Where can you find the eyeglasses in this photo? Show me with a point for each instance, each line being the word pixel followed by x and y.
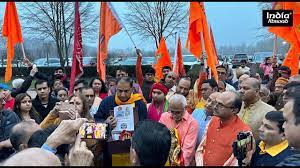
pixel 217 104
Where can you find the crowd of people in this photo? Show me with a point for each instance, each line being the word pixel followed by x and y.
pixel 177 123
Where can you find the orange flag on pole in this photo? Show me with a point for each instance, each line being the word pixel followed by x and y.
pixel 12 31
pixel 110 24
pixel 212 58
pixel 193 43
pixel 179 67
pixel 163 59
pixel 292 60
pixel 290 34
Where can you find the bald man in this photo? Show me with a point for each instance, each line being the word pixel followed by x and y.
pixel 264 93
pixel 178 118
pixel 242 78
pixel 25 158
pixel 216 147
pixel 21 133
pixel 253 109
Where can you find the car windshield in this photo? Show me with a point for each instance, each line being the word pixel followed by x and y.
pixel 39 61
pixel 189 59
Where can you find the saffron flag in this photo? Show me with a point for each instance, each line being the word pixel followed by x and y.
pixel 178 65
pixel 292 60
pixel 12 31
pixel 193 43
pixel 163 59
pixel 212 58
pixel 290 34
pixel 109 25
pixel 77 67
pixel 198 25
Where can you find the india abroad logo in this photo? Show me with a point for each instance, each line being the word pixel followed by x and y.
pixel 277 18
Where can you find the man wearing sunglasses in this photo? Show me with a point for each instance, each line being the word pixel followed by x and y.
pixel 215 148
pixel 222 74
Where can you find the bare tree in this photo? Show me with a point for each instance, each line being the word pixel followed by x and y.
pixel 54 21
pixel 264 6
pixel 156 19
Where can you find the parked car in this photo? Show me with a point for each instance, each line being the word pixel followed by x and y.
pixel 52 62
pixel 259 57
pixel 89 61
pixel 237 58
pixel 190 60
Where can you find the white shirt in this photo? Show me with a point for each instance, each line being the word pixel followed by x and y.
pixel 245 69
pixel 229 87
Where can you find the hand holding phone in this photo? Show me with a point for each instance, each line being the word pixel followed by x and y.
pixel 67 111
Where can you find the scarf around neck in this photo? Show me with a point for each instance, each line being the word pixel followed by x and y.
pixel 133 98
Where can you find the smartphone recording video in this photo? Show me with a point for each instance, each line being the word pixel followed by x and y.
pixel 65 111
pixel 94 131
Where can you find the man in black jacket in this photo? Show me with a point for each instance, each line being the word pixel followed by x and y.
pixel 25 84
pixel 291 114
pixel 43 102
pixel 123 96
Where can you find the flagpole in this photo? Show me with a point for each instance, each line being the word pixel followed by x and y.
pixel 23 51
pixel 204 55
pixel 275 46
pixel 175 53
pixel 114 11
pixel 129 37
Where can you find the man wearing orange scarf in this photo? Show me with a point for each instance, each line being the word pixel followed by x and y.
pixel 123 96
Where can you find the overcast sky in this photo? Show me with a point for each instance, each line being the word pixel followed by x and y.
pixel 233 23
